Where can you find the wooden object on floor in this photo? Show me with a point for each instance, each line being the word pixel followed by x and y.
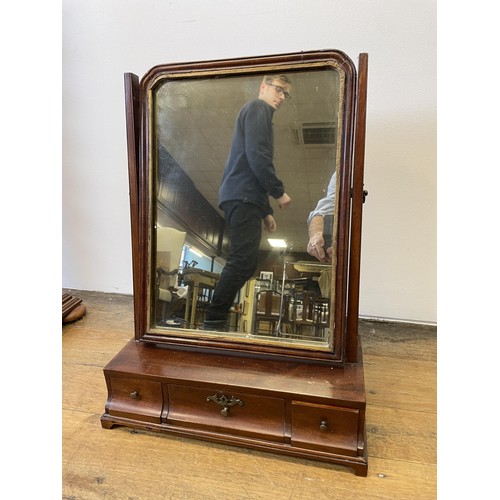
pixel 400 376
pixel 72 308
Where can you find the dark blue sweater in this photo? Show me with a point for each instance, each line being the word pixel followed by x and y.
pixel 249 174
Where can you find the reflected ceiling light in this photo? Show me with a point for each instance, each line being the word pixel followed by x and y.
pixel 277 243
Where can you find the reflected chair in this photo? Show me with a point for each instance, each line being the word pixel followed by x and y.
pixel 267 312
pixel 169 243
pixel 311 316
pixel 320 310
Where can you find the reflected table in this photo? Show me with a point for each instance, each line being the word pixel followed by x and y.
pixel 197 280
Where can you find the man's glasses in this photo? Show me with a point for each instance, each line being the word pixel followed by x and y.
pixel 280 90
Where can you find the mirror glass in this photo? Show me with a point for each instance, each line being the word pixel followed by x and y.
pixel 192 118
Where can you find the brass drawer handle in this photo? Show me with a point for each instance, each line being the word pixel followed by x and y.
pixel 323 426
pixel 225 402
pixel 134 395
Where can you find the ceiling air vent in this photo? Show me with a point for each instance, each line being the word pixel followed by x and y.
pixel 315 134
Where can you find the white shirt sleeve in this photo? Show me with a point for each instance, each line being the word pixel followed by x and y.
pixel 326 206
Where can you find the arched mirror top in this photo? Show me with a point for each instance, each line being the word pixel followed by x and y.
pixel 293 305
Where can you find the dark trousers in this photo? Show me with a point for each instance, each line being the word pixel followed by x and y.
pixel 244 222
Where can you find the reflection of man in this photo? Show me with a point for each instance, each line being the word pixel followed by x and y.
pixel 320 244
pixel 248 180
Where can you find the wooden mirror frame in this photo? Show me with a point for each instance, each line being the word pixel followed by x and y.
pixel 348 234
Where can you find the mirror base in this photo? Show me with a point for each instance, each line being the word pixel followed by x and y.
pixel 307 411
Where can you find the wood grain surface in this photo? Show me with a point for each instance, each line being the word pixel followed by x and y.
pixel 121 463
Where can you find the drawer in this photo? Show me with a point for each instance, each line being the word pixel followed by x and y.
pixel 135 397
pixel 325 428
pixel 226 412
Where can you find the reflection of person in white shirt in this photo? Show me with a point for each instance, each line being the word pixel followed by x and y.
pixel 316 225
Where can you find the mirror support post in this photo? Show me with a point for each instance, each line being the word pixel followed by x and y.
pixel 357 212
pixel 133 135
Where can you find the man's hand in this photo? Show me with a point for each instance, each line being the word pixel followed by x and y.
pixel 316 244
pixel 315 247
pixel 284 200
pixel 269 223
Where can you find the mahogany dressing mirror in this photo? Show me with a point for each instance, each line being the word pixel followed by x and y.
pixel 286 373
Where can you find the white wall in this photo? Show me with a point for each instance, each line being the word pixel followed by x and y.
pixel 103 39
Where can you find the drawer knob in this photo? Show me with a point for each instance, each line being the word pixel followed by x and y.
pixel 323 426
pixel 134 395
pixel 225 402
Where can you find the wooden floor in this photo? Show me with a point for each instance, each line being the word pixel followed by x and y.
pixel 121 463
